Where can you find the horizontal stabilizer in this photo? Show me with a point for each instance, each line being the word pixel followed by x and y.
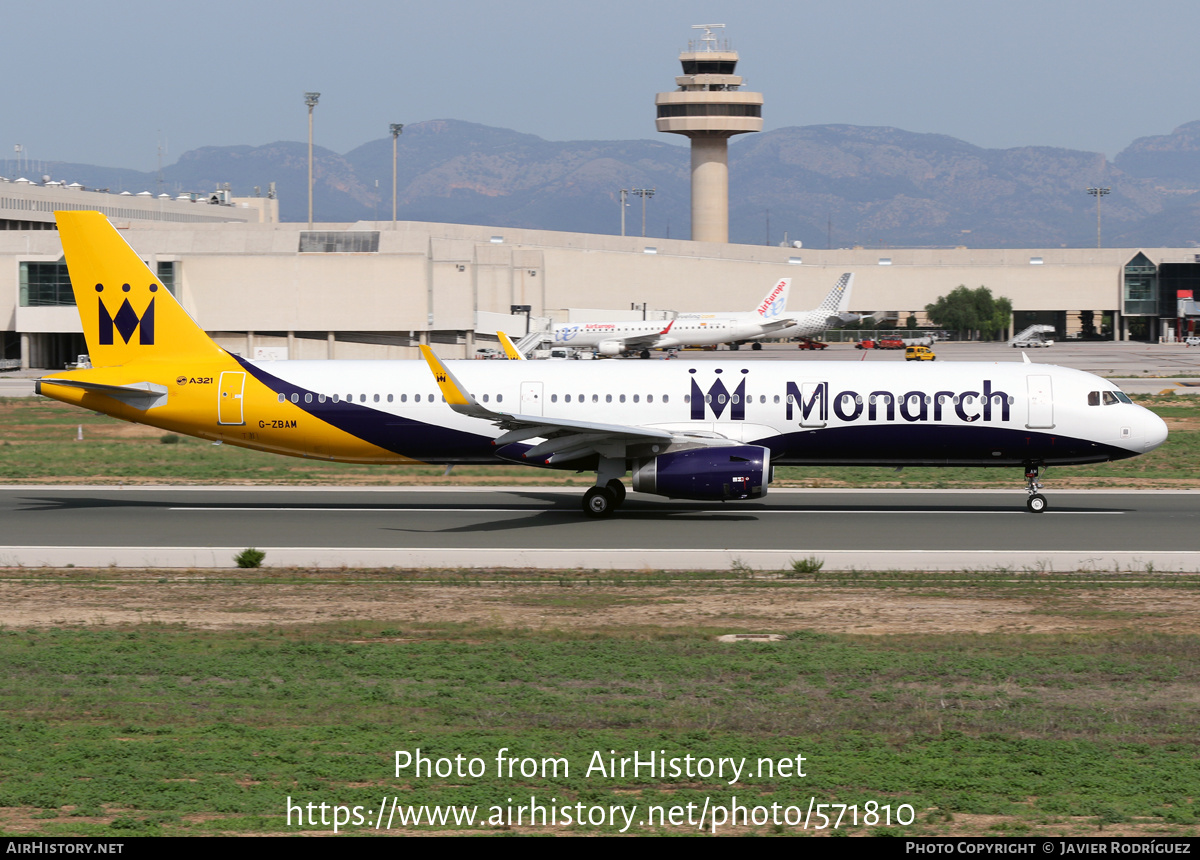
pixel 139 395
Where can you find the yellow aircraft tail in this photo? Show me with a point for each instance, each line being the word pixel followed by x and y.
pixel 126 311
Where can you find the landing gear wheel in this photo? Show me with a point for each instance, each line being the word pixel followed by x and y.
pixel 735 346
pixel 1036 503
pixel 599 502
pixel 645 353
pixel 756 345
pixel 617 489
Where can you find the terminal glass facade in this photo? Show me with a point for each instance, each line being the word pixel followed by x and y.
pixel 1141 287
pixel 45 285
pixel 340 242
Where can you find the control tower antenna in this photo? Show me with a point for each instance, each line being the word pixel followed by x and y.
pixel 709 107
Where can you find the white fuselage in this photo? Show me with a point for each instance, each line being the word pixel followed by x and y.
pixel 945 413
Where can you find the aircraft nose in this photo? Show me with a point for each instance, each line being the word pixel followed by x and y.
pixel 1156 431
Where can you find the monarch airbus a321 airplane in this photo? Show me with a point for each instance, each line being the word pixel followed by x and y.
pixel 707 430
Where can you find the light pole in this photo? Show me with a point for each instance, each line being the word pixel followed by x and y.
pixel 396 129
pixel 643 193
pixel 1098 193
pixel 624 195
pixel 310 99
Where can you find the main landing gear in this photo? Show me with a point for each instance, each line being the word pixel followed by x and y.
pixel 1036 501
pixel 608 494
pixel 602 501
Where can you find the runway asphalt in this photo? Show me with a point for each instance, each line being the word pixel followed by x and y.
pixel 544 528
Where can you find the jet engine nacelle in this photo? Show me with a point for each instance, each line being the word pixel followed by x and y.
pixel 708 474
pixel 610 347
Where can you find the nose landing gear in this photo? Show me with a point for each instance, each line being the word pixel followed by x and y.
pixel 1036 501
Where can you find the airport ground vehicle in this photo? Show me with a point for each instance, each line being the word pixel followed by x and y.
pixel 919 353
pixel 809 343
pixel 704 430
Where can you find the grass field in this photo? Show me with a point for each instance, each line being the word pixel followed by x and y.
pixel 38 444
pixel 157 729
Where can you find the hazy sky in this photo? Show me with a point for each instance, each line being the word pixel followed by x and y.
pixel 102 83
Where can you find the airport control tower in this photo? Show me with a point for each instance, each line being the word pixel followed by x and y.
pixel 709 107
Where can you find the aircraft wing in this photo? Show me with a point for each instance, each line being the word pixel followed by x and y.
pixel 645 341
pixel 564 439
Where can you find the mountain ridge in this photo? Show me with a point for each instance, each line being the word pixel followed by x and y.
pixel 831 184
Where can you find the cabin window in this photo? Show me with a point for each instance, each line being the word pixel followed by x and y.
pixel 389 398
pixel 376 398
pixel 708 398
pixel 499 398
pixel 635 398
pixel 608 398
pixel 485 398
pixel 566 398
pixel 554 398
pixel 403 398
pixel 687 398
pixel 776 398
pixel 667 398
pixel 336 398
pixel 416 398
pixel 595 398
pixel 320 398
pixel 622 398
pixel 308 398
pixel 295 398
pixel 283 397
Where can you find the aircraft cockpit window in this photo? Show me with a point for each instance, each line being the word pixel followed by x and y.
pixel 1093 398
pixel 1110 397
pixel 1123 397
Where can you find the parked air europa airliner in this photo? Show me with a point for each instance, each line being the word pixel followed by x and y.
pixel 707 430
